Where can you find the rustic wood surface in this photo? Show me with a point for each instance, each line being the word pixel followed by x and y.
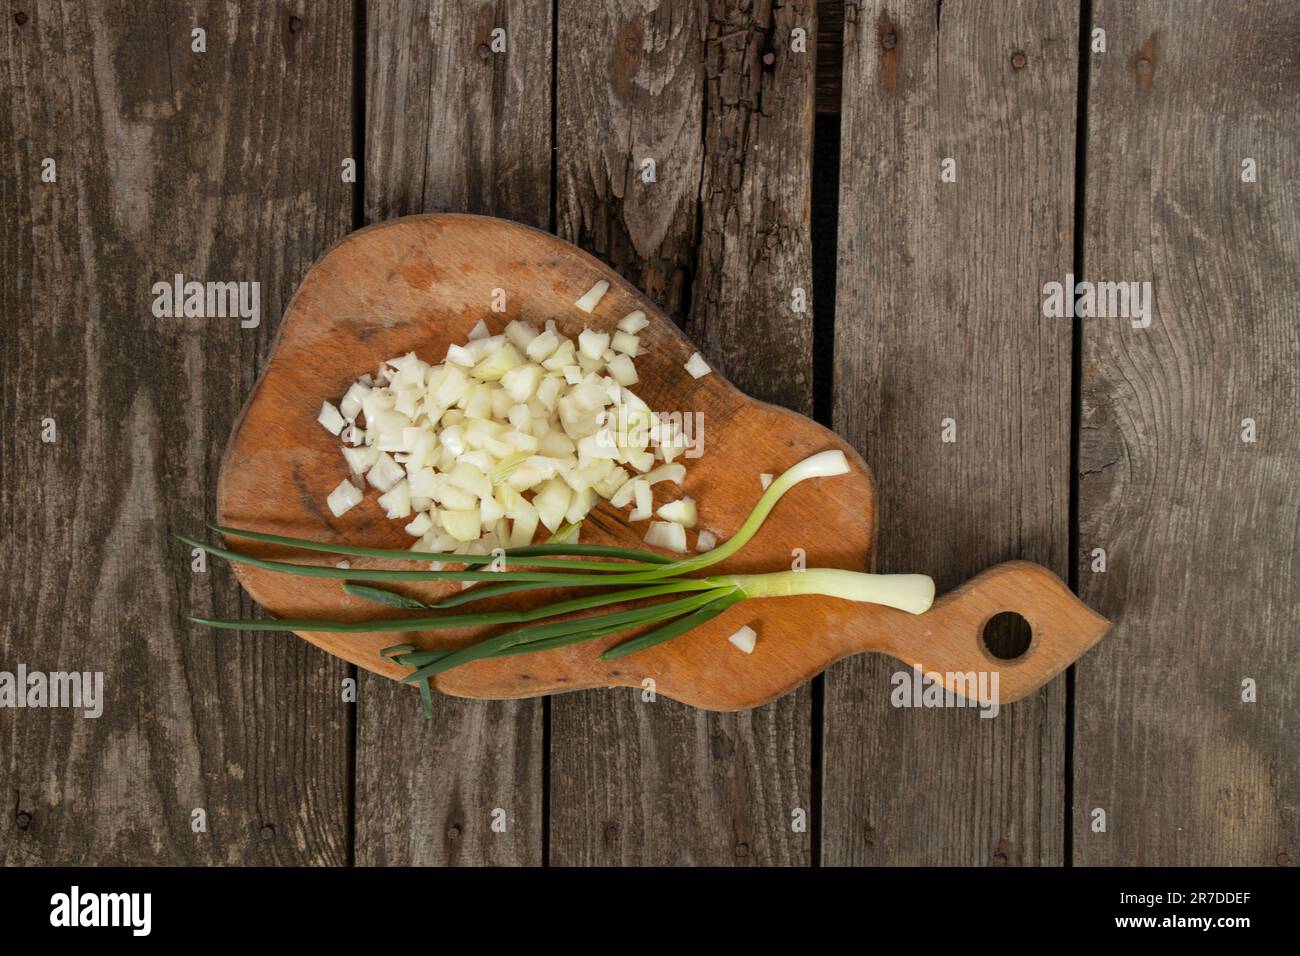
pixel 1199 527
pixel 225 165
pixel 963 261
pixel 167 161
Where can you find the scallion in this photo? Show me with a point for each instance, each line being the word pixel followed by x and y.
pixel 639 577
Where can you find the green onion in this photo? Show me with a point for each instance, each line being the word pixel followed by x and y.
pixel 386 597
pixel 680 626
pixel 543 556
pixel 638 575
pixel 367 574
pixel 585 626
pixel 478 619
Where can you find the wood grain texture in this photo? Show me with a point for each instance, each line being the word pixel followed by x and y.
pixel 629 88
pixel 938 315
pixel 168 161
pixel 452 127
pixel 1199 527
pixel 755 254
pixel 635 80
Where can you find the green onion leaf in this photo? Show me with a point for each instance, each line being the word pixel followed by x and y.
pixel 673 628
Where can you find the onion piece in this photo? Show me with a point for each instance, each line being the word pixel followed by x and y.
pixel 626 343
pixel 682 511
pixel 420 525
pixel 622 370
pixel 706 541
pixel 343 498
pixel 745 639
pixel 592 344
pixel 697 366
pixel 551 502
pixel 644 500
pixel 591 298
pixel 461 525
pixel 330 418
pixel 674 472
pixel 385 473
pixel 360 459
pixel 765 479
pixel 396 501
pixel 666 535
pixel 350 406
pixel 633 322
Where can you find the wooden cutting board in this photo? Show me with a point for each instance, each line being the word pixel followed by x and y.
pixel 421 283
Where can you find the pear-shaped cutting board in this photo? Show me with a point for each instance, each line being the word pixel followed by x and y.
pixel 421 283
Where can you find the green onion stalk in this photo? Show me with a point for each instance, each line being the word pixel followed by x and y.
pixel 664 598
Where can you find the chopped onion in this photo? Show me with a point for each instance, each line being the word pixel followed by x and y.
pixel 510 433
pixel 360 460
pixel 697 366
pixel 551 502
pixel 385 473
pixel 343 498
pixel 623 495
pixel 745 639
pixel 644 500
pixel 626 343
pixel 592 344
pixel 706 541
pixel 633 322
pixel 666 535
pixel 764 479
pixel 622 370
pixel 461 525
pixel 329 417
pixel 592 297
pixel 421 525
pixel 683 512
pixel 396 501
pixel 351 404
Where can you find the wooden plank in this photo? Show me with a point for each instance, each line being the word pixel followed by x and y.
pixel 938 316
pixel 1199 527
pixel 452 125
pixel 633 781
pixel 168 161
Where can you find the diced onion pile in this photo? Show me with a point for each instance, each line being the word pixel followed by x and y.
pixel 509 432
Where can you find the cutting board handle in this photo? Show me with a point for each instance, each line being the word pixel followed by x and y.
pixel 948 639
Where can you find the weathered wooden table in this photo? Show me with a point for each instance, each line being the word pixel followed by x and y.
pixel 917 172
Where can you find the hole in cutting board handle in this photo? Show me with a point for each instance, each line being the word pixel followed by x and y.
pixel 1007 636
